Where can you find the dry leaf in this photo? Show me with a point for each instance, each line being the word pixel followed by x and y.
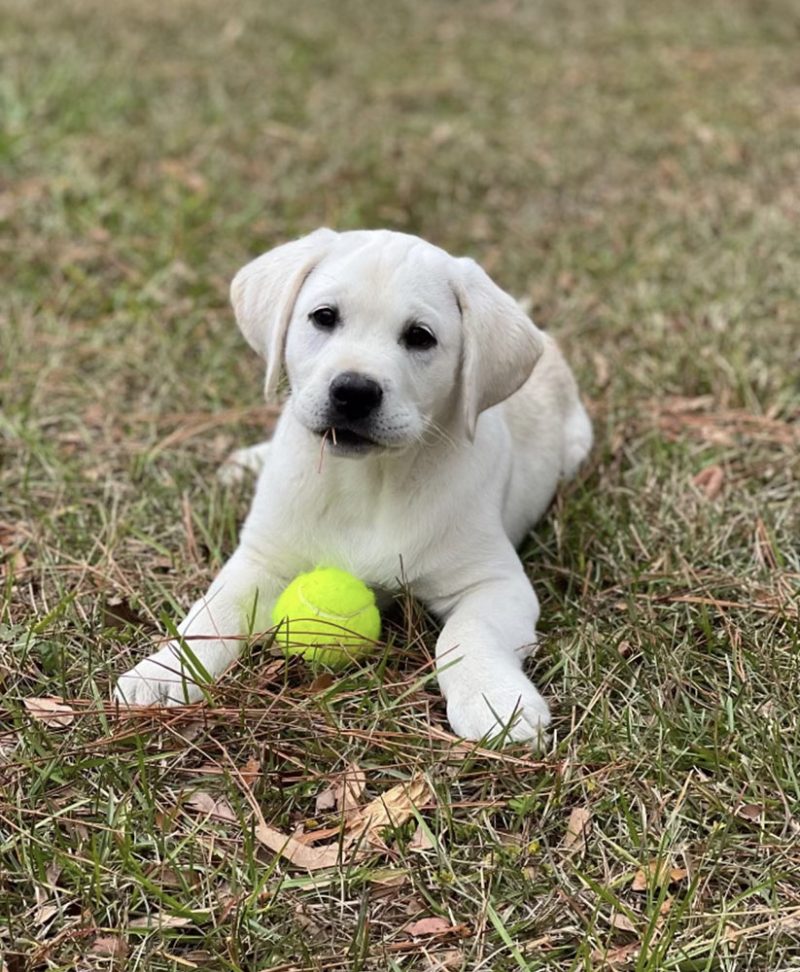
pixel 616 956
pixel 578 827
pixel 431 926
pixel 251 771
pixel 345 793
pixel 50 710
pixel 710 480
pixel 111 946
pixel 362 828
pixel 622 922
pixel 657 873
pixel 44 913
pixel 421 840
pixel 170 877
pixel 348 791
pixel 303 855
pixel 750 811
pixel 325 801
pixel 389 877
pixel 322 682
pixel 392 808
pixel 159 919
pixel 452 958
pixel 205 803
pixel 119 613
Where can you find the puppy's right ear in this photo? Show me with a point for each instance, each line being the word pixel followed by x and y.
pixel 264 292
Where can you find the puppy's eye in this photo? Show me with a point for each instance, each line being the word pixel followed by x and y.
pixel 325 318
pixel 417 337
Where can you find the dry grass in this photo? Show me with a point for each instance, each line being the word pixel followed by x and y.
pixel 632 169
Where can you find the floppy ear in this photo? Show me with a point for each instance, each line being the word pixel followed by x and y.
pixel 264 292
pixel 501 344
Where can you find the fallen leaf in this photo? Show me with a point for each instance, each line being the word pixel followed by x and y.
pixel 109 946
pixel 348 792
pixel 389 877
pixel 578 827
pixel 311 857
pixel 451 958
pixel 622 922
pixel 392 808
pixel 251 771
pixel 710 480
pixel 322 682
pixel 345 793
pixel 119 613
pixel 44 913
pixel 750 811
pixel 160 919
pixel 50 710
pixel 430 926
pixel 362 829
pixel 659 874
pixel 205 803
pixel 325 801
pixel 170 877
pixel 420 841
pixel 616 956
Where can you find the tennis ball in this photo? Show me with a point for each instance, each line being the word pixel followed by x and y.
pixel 327 616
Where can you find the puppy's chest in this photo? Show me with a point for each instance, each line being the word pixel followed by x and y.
pixel 381 543
pixel 382 535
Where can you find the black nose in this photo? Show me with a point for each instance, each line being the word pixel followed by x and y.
pixel 354 396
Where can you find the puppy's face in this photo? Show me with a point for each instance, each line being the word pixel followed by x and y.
pixel 374 344
pixel 385 338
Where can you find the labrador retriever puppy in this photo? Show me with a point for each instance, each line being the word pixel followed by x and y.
pixel 428 424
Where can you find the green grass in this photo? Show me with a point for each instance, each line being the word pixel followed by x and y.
pixel 632 169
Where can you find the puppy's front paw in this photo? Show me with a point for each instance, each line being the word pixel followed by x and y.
pixel 157 681
pixel 243 463
pixel 510 707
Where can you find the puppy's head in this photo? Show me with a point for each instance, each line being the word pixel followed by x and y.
pixel 385 338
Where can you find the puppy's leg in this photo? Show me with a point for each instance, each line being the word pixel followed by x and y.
pixel 243 461
pixel 238 603
pixel 489 630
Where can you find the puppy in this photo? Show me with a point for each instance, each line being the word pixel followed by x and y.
pixel 428 425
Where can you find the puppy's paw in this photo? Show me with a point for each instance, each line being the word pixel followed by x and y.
pixel 510 707
pixel 243 463
pixel 157 681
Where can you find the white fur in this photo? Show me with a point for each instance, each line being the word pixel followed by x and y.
pixel 472 443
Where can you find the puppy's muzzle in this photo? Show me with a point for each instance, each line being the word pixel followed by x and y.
pixel 353 397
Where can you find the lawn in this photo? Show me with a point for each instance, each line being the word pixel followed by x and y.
pixel 629 168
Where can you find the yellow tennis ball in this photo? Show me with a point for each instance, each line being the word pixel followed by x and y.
pixel 327 616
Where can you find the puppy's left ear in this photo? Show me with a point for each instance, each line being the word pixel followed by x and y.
pixel 264 292
pixel 501 343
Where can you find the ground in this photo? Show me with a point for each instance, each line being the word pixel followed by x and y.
pixel 629 168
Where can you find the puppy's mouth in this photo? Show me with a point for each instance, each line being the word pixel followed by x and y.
pixel 346 442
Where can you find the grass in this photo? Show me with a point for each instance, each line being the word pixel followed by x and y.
pixel 629 168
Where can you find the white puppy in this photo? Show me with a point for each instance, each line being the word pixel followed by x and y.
pixel 418 440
